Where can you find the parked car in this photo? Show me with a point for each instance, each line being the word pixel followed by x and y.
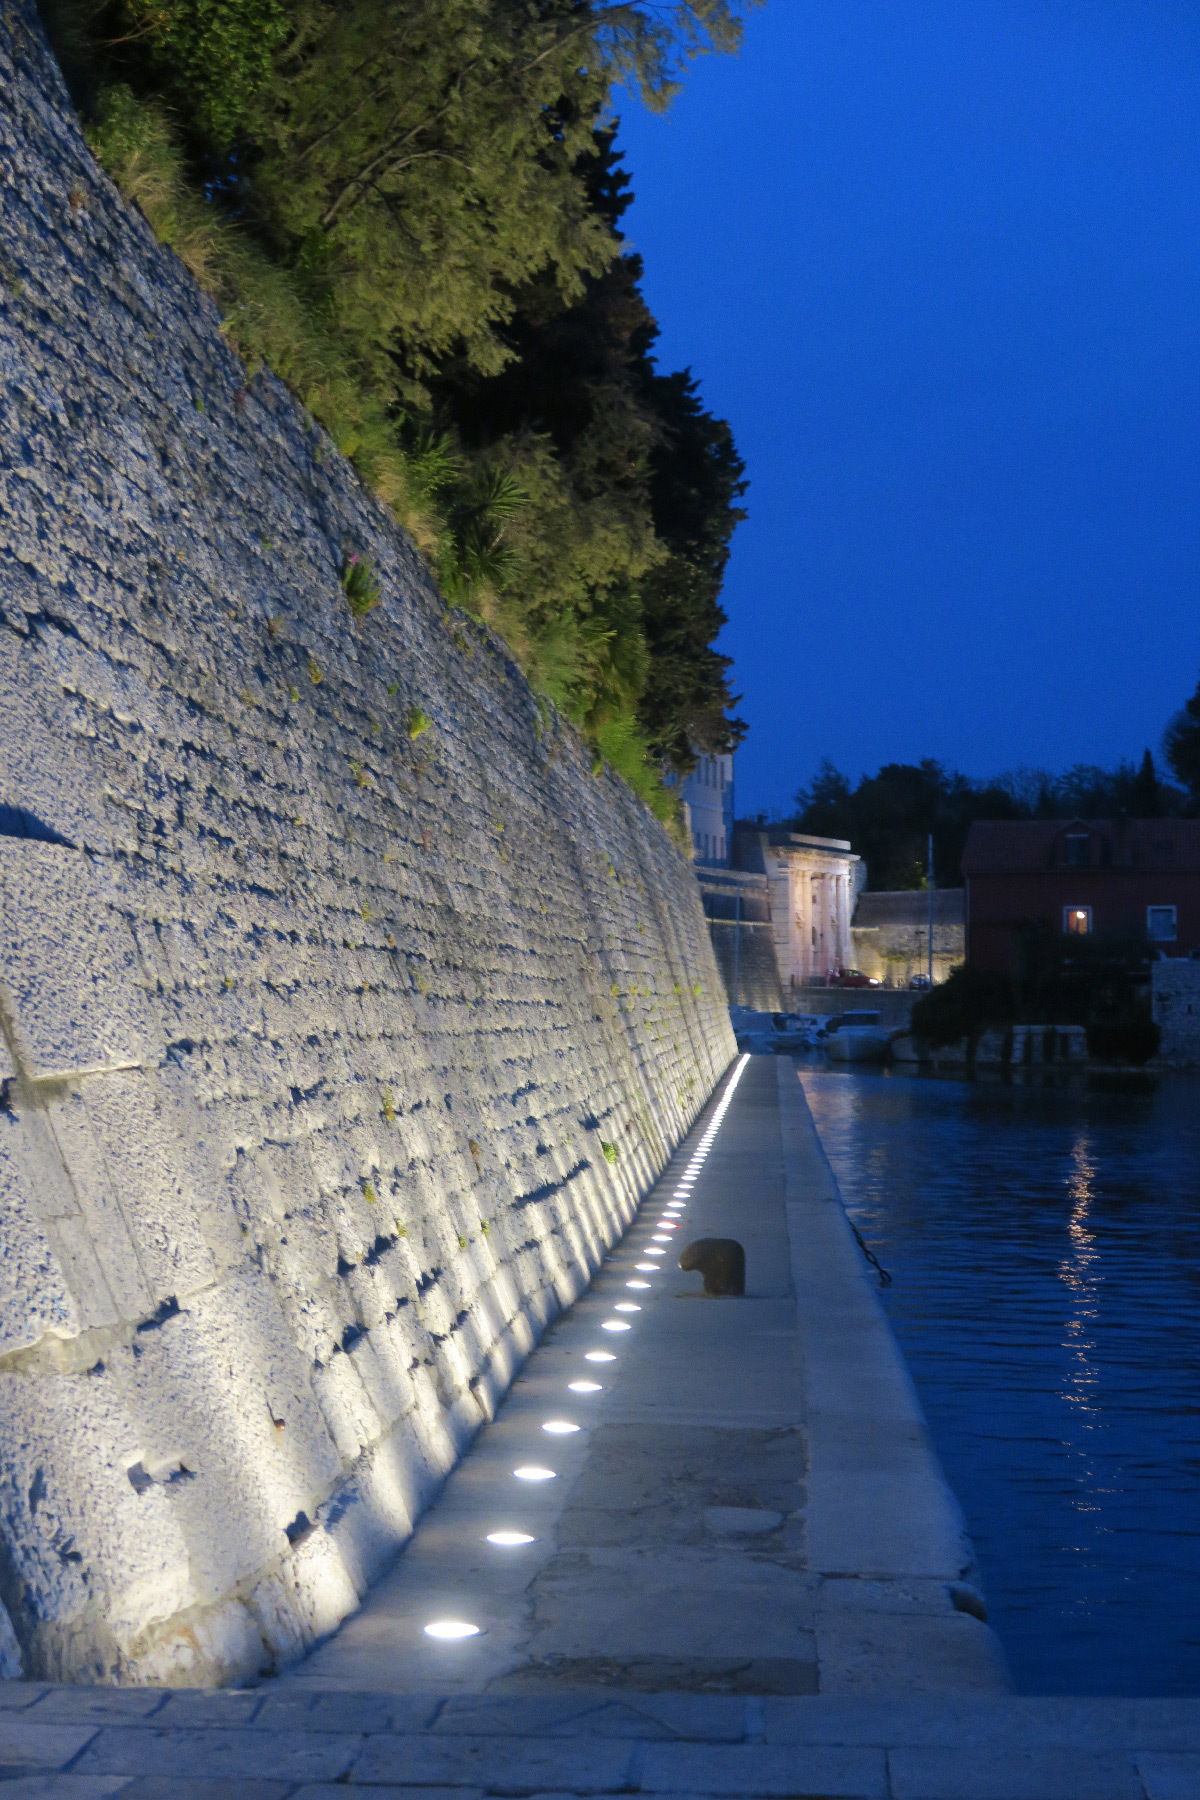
pixel 854 978
pixel 920 981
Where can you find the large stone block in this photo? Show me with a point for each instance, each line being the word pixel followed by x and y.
pixel 48 786
pixel 69 989
pixel 35 1295
pixel 92 1562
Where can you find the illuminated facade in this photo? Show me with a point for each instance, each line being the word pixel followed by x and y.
pixel 814 884
pixel 708 795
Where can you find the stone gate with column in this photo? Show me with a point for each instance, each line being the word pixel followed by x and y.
pixel 814 884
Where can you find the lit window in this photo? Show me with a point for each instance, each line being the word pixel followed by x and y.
pixel 1160 924
pixel 1077 920
pixel 1076 846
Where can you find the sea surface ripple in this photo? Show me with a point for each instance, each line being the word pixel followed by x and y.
pixel 1044 1242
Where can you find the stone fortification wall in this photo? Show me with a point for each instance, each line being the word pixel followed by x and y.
pixel 332 1056
pixel 745 955
pixel 1175 1007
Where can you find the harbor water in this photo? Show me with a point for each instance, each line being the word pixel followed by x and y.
pixel 1044 1242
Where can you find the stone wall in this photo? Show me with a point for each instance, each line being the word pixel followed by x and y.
pixel 1175 1006
pixel 332 1056
pixel 890 934
pixel 745 955
pixel 738 908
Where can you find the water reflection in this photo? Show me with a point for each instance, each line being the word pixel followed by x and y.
pixel 1080 1273
pixel 1045 1245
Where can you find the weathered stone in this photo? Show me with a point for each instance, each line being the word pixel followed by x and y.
pixel 310 1033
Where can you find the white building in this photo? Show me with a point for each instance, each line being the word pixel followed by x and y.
pixel 708 796
pixel 814 885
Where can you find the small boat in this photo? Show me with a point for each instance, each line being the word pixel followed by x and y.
pixel 859 1037
pixel 775 1034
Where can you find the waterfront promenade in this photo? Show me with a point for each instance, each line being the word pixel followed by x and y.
pixel 744 1575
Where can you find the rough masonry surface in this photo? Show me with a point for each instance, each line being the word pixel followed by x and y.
pixel 332 1057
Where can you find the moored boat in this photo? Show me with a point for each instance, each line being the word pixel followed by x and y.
pixel 859 1038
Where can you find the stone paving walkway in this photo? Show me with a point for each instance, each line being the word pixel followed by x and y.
pixel 149 1745
pixel 744 1574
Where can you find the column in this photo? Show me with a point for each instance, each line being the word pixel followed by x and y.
pixel 845 947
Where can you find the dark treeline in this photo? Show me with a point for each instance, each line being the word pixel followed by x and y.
pixel 888 816
pixel 410 209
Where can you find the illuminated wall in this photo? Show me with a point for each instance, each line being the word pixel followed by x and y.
pixel 344 1013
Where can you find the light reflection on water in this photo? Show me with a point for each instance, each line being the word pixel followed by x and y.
pixel 1045 1246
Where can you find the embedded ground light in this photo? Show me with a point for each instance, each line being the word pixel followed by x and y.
pixel 598 1356
pixel 660 1237
pixel 559 1427
pixel 531 1472
pixel 451 1628
pixel 627 1306
pixel 637 1284
pixel 585 1387
pixel 647 1268
pixel 508 1540
pixel 615 1325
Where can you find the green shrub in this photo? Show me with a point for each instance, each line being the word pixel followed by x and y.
pixel 961 1007
pixel 361 584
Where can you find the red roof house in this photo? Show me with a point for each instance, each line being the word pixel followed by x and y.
pixel 1080 876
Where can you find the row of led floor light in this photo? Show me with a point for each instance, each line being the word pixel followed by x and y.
pixel 659 1242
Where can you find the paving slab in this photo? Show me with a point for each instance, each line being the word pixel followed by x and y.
pixel 330 1790
pixel 27 1745
pixel 715 1718
pixel 935 1773
pixel 508 1765
pixel 858 1774
pixel 988 1723
pixel 65 1787
pixel 282 1756
pixel 170 1787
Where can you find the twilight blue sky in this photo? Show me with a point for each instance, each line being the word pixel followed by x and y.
pixel 939 263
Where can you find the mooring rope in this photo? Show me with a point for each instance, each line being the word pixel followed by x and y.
pixel 885 1279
